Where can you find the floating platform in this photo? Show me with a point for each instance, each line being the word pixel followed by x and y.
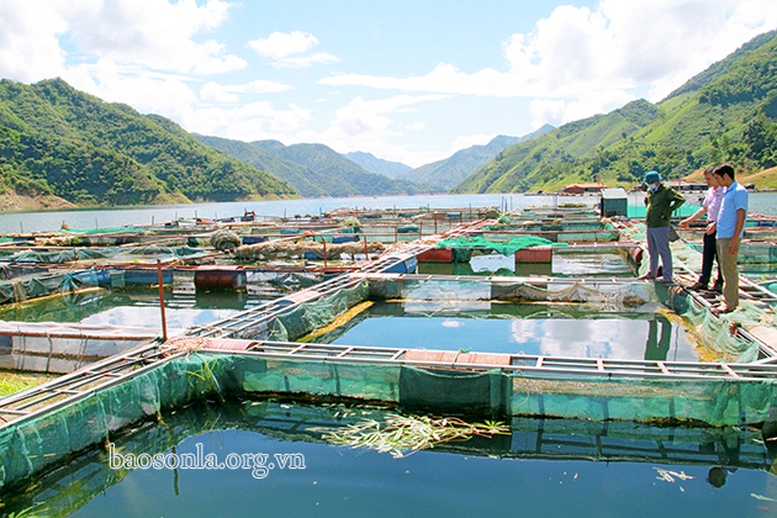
pixel 264 352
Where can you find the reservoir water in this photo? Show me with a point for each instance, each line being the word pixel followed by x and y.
pixel 542 468
pixel 555 468
pixel 143 215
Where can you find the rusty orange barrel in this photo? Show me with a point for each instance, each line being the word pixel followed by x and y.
pixel 436 255
pixel 220 277
pixel 534 254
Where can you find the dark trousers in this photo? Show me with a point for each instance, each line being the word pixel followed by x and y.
pixel 709 256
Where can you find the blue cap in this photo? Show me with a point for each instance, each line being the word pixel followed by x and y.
pixel 652 177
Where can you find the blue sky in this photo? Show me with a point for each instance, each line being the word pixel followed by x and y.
pixel 409 81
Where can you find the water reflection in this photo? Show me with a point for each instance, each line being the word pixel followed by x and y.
pixel 657 348
pixel 348 482
pixel 536 329
pixel 564 264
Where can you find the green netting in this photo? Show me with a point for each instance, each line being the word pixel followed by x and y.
pixel 42 442
pixel 117 253
pixel 503 247
pixel 34 444
pixel 61 492
pixel 714 331
pixel 107 230
pixel 309 316
pixel 33 286
pixel 758 253
pixel 599 236
pixel 714 402
pixel 553 225
pixel 57 256
pixel 444 291
pixel 374 382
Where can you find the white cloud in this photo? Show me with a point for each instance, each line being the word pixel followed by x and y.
pixel 319 58
pixel 279 45
pixel 145 91
pixel 550 111
pixel 283 48
pixel 254 121
pixel 29 41
pixel 445 78
pixel 363 125
pixel 214 92
pixel 152 34
pixel 580 61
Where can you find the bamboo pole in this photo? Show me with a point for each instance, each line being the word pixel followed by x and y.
pixel 161 298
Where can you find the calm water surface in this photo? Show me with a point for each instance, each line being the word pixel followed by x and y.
pixel 535 329
pixel 143 215
pixel 542 468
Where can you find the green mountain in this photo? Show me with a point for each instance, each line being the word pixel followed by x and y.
pixel 290 172
pixel 338 175
pixel 377 165
pixel 726 113
pixel 56 140
pixel 314 170
pixel 450 171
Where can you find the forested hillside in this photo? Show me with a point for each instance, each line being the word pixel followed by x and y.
pixel 314 170
pixel 727 113
pixel 377 165
pixel 452 170
pixel 55 140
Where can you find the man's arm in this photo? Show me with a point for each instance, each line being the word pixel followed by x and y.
pixel 677 200
pixel 733 245
pixel 696 215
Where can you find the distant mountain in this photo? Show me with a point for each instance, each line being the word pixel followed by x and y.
pixel 58 141
pixel 377 165
pixel 450 171
pixel 296 175
pixel 726 113
pixel 314 170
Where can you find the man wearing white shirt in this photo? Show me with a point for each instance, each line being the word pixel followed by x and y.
pixel 710 207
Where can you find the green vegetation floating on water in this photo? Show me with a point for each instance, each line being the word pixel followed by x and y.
pixel 404 435
pixel 13 382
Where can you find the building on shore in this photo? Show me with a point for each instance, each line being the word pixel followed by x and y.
pixel 583 188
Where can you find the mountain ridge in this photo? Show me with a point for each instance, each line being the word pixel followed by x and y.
pixel 450 171
pixel 56 141
pixel 726 113
pixel 375 165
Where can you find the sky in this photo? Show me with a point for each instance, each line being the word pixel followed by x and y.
pixel 410 81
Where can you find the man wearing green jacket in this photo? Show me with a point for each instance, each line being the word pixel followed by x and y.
pixel 661 201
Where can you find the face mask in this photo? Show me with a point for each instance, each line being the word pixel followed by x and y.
pixel 653 187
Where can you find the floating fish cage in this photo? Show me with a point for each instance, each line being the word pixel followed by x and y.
pixel 556 340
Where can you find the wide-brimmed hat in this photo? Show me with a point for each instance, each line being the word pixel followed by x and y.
pixel 652 177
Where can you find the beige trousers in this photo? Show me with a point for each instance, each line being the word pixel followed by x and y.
pixel 728 268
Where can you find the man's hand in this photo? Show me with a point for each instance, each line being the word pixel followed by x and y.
pixel 684 223
pixel 733 246
pixel 711 228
